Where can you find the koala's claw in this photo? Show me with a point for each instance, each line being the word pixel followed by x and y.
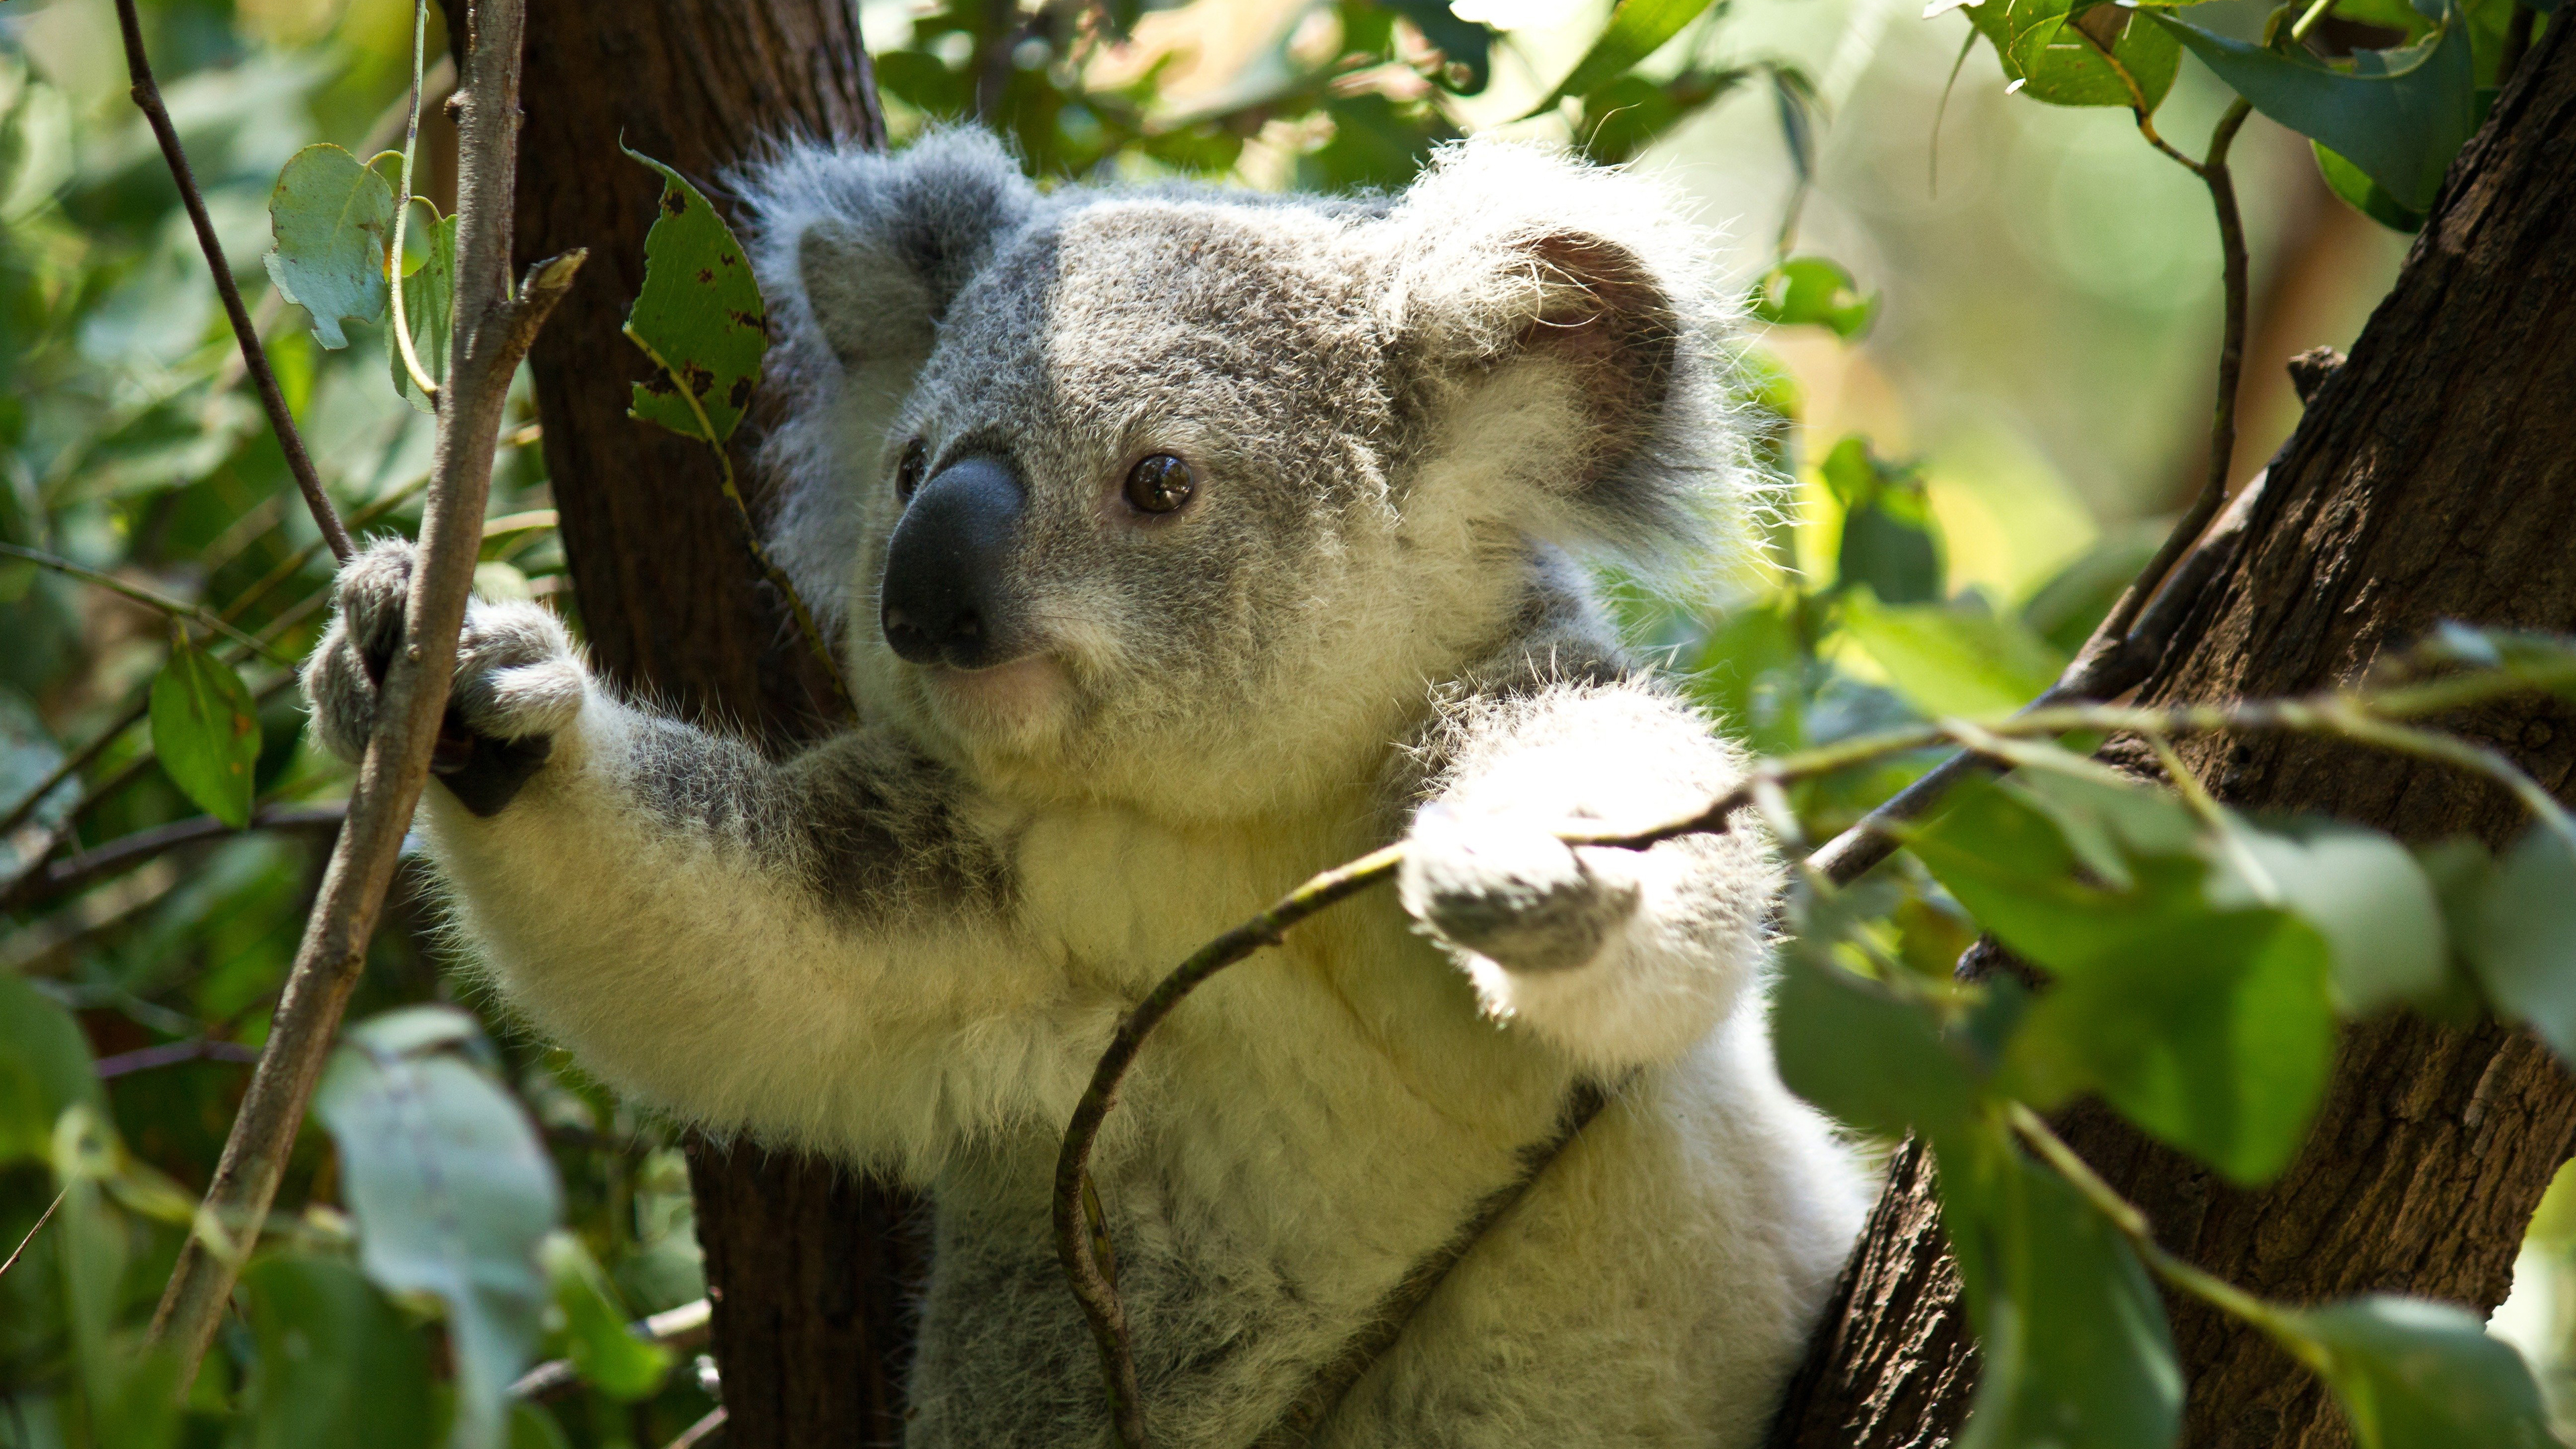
pixel 1505 891
pixel 518 682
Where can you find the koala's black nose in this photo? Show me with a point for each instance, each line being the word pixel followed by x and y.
pixel 943 599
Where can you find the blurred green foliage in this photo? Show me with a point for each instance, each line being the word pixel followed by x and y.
pixel 468 1201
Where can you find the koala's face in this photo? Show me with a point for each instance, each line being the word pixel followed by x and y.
pixel 1149 494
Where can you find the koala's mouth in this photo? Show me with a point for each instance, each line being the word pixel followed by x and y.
pixel 1028 695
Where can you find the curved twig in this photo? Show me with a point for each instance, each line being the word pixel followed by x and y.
pixel 90 866
pixel 281 420
pixel 1081 1233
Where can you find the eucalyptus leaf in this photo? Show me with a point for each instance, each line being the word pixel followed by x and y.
pixel 700 317
pixel 1954 659
pixel 1637 29
pixel 2074 53
pixel 2361 890
pixel 336 1365
pixel 2399 115
pixel 331 216
pixel 429 304
pixel 2075 1343
pixel 1889 543
pixel 1815 291
pixel 607 1355
pixel 452 1193
pixel 2522 941
pixel 2362 194
pixel 2417 1375
pixel 45 1070
pixel 1862 1054
pixel 205 729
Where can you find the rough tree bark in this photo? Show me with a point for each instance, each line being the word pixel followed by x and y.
pixel 807 1265
pixel 2434 477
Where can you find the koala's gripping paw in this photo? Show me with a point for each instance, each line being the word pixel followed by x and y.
pixel 518 680
pixel 1509 892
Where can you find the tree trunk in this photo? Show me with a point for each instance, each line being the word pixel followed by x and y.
pixel 808 1267
pixel 2434 477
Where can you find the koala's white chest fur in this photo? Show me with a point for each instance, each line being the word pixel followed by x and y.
pixel 1102 732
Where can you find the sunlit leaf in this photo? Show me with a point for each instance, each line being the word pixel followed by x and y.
pixel 2417 1375
pixel 2399 115
pixel 1631 113
pixel 2076 1351
pixel 331 217
pixel 2214 1034
pixel 44 1069
pixel 2361 890
pixel 1814 291
pixel 1888 540
pixel 2073 53
pixel 700 317
pixel 336 1363
pixel 452 1193
pixel 429 300
pixel 205 729
pixel 1637 29
pixel 2522 942
pixel 1953 659
pixel 606 1355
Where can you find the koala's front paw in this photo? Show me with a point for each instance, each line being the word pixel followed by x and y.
pixel 1511 893
pixel 518 682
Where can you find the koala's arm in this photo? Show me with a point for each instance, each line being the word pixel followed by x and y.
pixel 821 950
pixel 1621 958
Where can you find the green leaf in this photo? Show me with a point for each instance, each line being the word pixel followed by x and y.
pixel 2416 1375
pixel 1632 112
pixel 45 1070
pixel 1812 291
pixel 2361 890
pixel 2543 661
pixel 1888 538
pixel 1637 29
pixel 2214 1034
pixel 429 301
pixel 1748 676
pixel 1376 144
pixel 2363 194
pixel 1954 659
pixel 336 1365
pixel 2522 944
pixel 331 217
pixel 2076 1349
pixel 205 729
pixel 700 317
pixel 2079 52
pixel 1863 1055
pixel 452 1193
pixel 2399 116
pixel 606 1355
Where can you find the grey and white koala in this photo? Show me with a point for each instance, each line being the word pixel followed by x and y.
pixel 1184 542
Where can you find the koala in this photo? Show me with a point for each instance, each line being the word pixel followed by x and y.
pixel 1179 543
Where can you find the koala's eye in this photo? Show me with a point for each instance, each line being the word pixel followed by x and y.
pixel 907 474
pixel 1159 484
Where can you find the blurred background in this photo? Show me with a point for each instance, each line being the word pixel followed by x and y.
pixel 1989 391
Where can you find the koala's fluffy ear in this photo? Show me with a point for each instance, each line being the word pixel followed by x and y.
pixel 859 256
pixel 1593 309
pixel 866 251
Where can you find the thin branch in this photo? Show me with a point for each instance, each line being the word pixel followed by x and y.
pixel 491 331
pixel 702 1431
pixel 43 1218
pixel 86 869
pixel 2364 719
pixel 683 1327
pixel 2221 182
pixel 171 1054
pixel 197 614
pixel 281 420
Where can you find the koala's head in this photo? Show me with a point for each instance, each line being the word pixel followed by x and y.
pixel 1182 492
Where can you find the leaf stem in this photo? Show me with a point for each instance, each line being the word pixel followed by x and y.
pixel 420 377
pixel 281 420
pixel 769 569
pixel 191 613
